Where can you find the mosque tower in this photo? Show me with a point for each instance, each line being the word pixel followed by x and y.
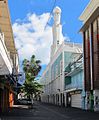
pixel 56 31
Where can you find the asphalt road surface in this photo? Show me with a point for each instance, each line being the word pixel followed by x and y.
pixel 41 111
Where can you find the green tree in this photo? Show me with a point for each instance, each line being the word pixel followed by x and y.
pixel 31 68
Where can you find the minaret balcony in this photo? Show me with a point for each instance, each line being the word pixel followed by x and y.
pixel 6 64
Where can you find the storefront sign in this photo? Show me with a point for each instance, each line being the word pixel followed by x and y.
pixel 75 92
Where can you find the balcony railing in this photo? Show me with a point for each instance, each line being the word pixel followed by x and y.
pixel 72 86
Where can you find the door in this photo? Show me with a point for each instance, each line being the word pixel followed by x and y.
pixel 76 100
pixel 68 100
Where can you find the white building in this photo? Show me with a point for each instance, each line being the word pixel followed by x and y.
pixel 53 77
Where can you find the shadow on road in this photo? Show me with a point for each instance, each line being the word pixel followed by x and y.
pixel 19 110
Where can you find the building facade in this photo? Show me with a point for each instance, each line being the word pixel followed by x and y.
pixel 53 78
pixel 90 30
pixel 74 82
pixel 9 63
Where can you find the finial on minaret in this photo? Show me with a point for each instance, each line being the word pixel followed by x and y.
pixel 57 15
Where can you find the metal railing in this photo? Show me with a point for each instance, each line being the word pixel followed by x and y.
pixel 71 86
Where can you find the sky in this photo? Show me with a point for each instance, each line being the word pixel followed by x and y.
pixel 29 18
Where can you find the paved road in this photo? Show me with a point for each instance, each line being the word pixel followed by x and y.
pixel 49 112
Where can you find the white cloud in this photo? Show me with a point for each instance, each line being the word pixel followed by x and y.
pixel 31 37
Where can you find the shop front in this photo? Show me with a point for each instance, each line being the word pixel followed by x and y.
pixel 74 99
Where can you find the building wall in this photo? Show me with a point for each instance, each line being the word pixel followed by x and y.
pixel 67 58
pixel 76 81
pixel 52 79
pixel 53 76
pixel 91 55
pixel 5 25
pixel 90 32
pixel 6 95
pixel 56 73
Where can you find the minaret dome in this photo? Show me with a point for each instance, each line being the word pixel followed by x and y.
pixel 57 15
pixel 57 10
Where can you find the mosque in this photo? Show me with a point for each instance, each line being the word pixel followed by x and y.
pixel 61 84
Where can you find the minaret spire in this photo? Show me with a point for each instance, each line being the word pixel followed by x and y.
pixel 57 15
pixel 57 26
pixel 57 30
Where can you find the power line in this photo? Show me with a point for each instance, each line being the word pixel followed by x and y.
pixel 50 13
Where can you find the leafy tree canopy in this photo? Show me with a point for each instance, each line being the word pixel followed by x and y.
pixel 31 68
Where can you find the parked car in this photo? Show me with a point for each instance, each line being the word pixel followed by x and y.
pixel 24 101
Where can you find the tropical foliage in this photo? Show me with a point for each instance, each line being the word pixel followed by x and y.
pixel 31 68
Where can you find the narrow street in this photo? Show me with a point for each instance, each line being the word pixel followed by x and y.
pixel 42 111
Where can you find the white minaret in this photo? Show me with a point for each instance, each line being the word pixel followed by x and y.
pixel 57 31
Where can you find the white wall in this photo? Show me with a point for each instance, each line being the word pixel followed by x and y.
pixel 5 61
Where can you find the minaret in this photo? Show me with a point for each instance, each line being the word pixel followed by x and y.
pixel 56 30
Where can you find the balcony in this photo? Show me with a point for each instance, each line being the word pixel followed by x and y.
pixel 74 75
pixel 5 60
pixel 75 70
pixel 72 86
